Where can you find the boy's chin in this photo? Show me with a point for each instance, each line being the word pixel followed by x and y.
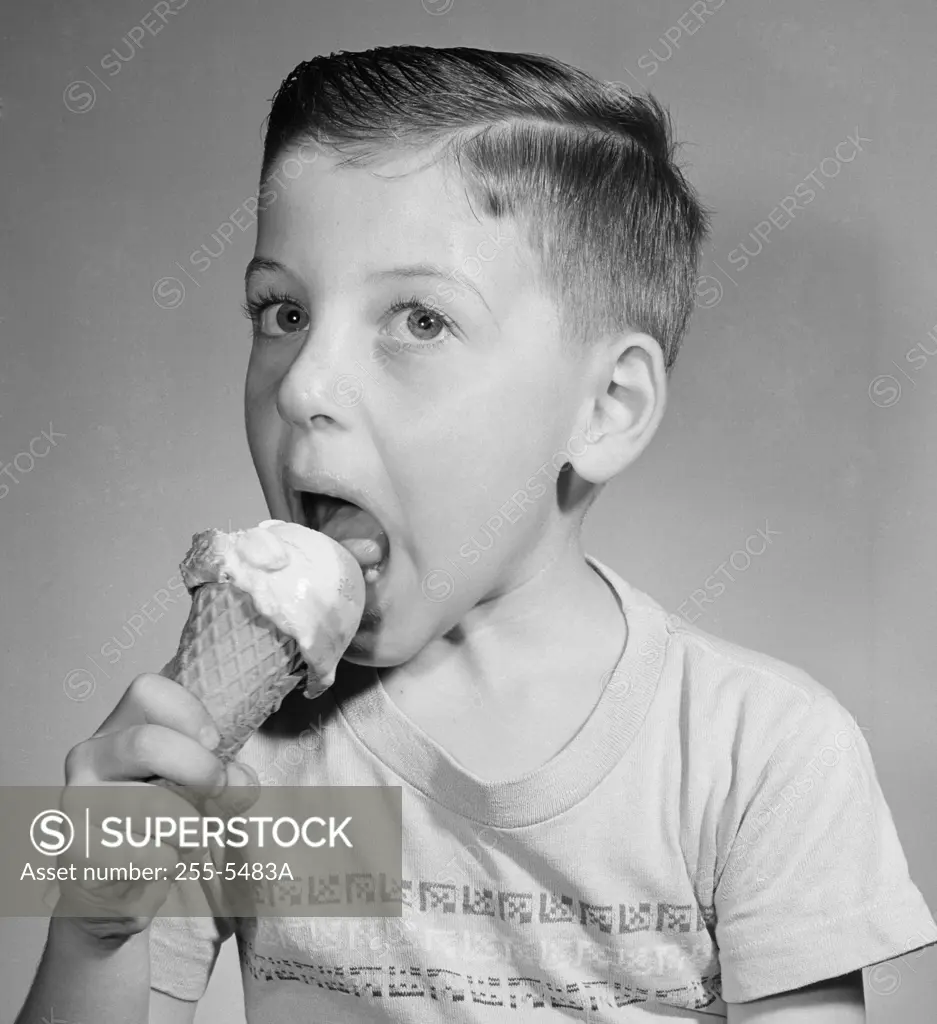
pixel 370 656
pixel 359 653
pixel 375 649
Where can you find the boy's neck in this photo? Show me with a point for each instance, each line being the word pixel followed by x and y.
pixel 560 625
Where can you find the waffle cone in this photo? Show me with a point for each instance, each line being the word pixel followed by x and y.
pixel 236 661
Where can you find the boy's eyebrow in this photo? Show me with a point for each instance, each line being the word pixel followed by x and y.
pixel 259 263
pixel 429 270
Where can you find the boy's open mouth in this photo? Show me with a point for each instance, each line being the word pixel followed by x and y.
pixel 353 527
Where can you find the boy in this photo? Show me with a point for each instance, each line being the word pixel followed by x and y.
pixel 471 282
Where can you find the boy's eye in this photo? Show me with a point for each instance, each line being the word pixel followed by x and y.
pixel 424 324
pixel 283 317
pixel 428 327
pixel 274 315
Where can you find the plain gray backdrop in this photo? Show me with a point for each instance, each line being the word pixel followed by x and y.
pixel 795 404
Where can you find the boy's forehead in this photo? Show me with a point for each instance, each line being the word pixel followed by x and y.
pixel 368 219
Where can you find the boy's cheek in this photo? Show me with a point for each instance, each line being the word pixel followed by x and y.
pixel 262 421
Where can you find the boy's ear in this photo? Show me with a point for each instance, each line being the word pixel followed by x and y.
pixel 625 408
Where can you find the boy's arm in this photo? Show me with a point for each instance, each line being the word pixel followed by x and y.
pixel 835 1001
pixel 79 978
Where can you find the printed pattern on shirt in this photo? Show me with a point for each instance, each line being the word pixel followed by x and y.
pixel 512 907
pixel 519 973
pixel 520 991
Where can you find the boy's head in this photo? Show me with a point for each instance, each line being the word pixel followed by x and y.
pixel 567 245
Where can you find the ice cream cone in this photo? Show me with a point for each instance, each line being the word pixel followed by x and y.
pixel 271 607
pixel 236 661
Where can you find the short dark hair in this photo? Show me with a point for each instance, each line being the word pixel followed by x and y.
pixel 584 168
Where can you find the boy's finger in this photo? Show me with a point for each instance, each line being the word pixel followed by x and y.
pixel 242 790
pixel 142 751
pixel 160 701
pixel 134 800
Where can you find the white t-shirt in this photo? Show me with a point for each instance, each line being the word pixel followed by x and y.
pixel 715 830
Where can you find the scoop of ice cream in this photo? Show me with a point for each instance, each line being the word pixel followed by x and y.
pixel 308 585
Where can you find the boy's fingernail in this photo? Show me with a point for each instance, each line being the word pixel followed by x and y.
pixel 219 787
pixel 240 777
pixel 244 789
pixel 243 801
pixel 209 737
pixel 239 800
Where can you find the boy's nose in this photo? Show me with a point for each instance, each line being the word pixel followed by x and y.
pixel 318 384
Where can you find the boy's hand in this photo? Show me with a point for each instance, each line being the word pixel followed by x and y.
pixel 158 729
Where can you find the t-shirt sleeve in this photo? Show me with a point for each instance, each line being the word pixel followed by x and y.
pixel 815 883
pixel 183 950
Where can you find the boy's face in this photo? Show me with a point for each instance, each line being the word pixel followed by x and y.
pixel 453 435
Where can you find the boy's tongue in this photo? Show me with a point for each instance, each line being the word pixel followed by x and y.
pixel 354 529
